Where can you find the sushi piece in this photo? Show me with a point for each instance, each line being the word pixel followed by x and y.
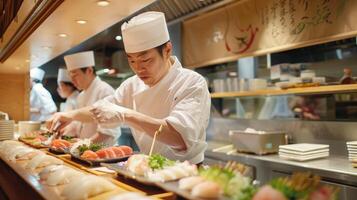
pixel 171 173
pixel 89 155
pixel 18 152
pixel 189 182
pixel 60 144
pixel 130 196
pixel 7 144
pixel 86 186
pixel 268 193
pixel 138 164
pixel 42 160
pixel 29 155
pixel 207 189
pixel 49 170
pixel 114 152
pixel 62 176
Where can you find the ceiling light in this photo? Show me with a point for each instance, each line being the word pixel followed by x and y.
pixel 46 47
pixel 17 68
pixel 118 37
pixel 27 60
pixel 81 21
pixel 103 3
pixel 63 35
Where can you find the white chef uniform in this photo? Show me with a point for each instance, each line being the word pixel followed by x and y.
pixel 40 98
pixel 71 100
pixel 97 90
pixel 181 97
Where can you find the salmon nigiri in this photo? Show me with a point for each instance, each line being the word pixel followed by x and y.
pixel 60 144
pixel 89 155
pixel 114 152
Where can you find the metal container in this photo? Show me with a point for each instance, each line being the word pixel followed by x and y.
pixel 257 142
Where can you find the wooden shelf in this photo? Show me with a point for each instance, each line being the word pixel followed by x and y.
pixel 306 90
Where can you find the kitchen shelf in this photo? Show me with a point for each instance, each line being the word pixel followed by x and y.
pixel 303 91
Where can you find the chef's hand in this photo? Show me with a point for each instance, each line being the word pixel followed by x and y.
pixel 58 121
pixel 109 114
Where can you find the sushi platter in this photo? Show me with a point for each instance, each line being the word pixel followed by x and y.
pixel 97 162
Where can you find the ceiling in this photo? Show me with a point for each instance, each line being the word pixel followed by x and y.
pixel 44 43
pixel 46 50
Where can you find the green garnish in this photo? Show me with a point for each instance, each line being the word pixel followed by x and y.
pixel 93 147
pixel 157 161
pixel 66 137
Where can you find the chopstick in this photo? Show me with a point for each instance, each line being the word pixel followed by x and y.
pixel 154 139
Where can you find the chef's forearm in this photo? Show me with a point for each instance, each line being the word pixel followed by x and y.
pixel 82 114
pixel 149 125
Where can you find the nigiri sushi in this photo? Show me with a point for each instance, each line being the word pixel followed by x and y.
pixel 42 160
pixel 177 171
pixel 45 172
pixel 60 144
pixel 189 182
pixel 86 186
pixel 207 189
pixel 89 155
pixel 138 164
pixel 268 193
pixel 62 176
pixel 7 144
pixel 29 155
pixel 114 152
pixel 19 152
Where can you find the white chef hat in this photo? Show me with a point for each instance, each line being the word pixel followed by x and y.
pixel 37 73
pixel 145 31
pixel 79 60
pixel 63 76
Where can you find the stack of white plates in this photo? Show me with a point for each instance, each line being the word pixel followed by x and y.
pixel 6 129
pixel 303 151
pixel 352 150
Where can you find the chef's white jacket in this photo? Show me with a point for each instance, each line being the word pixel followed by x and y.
pixel 41 99
pixel 97 90
pixel 182 99
pixel 71 102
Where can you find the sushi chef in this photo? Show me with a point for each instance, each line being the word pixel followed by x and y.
pixel 80 67
pixel 42 105
pixel 66 90
pixel 162 93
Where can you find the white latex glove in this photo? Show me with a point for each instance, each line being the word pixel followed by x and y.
pixel 109 114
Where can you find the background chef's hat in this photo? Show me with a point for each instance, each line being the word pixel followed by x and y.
pixel 37 73
pixel 63 76
pixel 145 31
pixel 79 60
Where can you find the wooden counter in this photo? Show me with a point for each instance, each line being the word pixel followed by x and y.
pixel 18 183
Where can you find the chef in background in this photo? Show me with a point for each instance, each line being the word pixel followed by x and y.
pixel 161 94
pixel 67 91
pixel 80 67
pixel 42 105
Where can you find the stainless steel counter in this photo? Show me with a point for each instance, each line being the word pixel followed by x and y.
pixel 334 170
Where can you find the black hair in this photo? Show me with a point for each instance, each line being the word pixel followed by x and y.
pixel 70 85
pixel 36 80
pixel 84 69
pixel 160 48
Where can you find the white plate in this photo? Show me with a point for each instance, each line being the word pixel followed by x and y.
pixel 351 143
pixel 305 158
pixel 303 153
pixel 304 147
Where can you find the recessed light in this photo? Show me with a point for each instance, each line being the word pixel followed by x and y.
pixel 46 47
pixel 63 35
pixel 81 21
pixel 17 68
pixel 118 37
pixel 102 3
pixel 27 60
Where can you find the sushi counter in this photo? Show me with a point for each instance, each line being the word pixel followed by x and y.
pixel 23 179
pixel 334 170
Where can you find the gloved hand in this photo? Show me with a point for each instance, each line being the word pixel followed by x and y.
pixel 109 114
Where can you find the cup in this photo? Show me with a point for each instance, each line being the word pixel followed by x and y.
pixel 28 126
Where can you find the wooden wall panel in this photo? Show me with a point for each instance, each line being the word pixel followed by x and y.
pixel 14 95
